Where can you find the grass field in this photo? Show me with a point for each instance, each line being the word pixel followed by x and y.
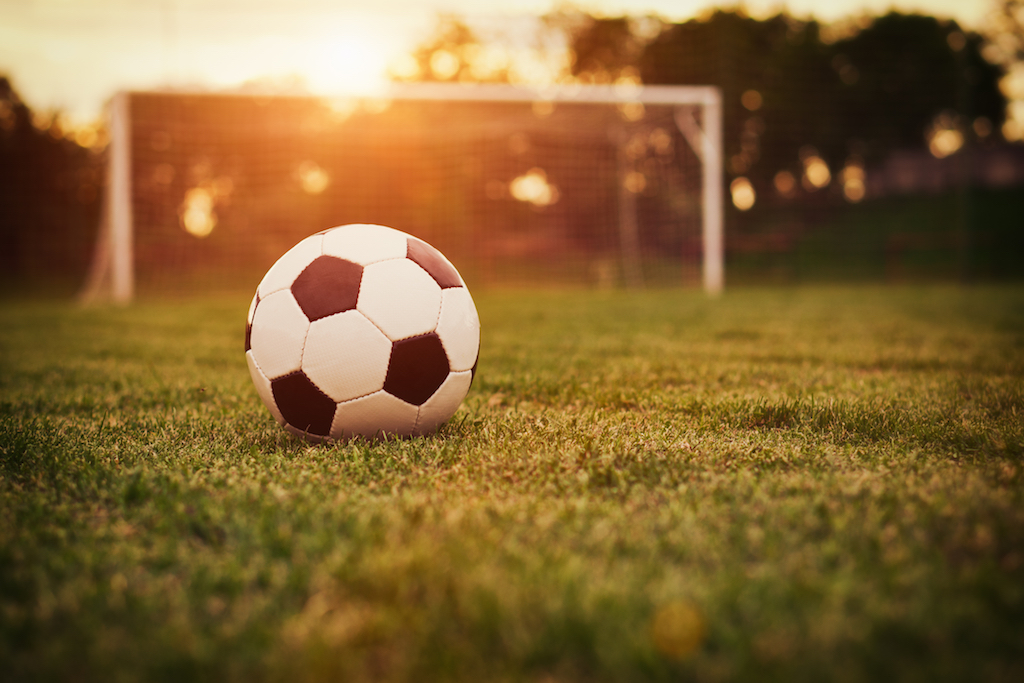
pixel 780 485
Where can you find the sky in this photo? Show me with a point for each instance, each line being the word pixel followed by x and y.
pixel 72 55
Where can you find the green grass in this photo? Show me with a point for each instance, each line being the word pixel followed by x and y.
pixel 780 485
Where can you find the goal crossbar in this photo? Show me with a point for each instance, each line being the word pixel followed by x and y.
pixel 590 94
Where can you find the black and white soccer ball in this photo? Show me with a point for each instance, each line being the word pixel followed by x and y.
pixel 362 330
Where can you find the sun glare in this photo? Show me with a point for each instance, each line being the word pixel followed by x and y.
pixel 816 173
pixel 853 181
pixel 743 194
pixel 348 63
pixel 945 141
pixel 312 178
pixel 533 187
pixel 352 59
pixel 196 212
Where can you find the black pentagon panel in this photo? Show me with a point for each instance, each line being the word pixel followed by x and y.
pixel 327 286
pixel 302 405
pixel 431 260
pixel 248 327
pixel 472 371
pixel 418 367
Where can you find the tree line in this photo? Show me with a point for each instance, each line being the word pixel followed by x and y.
pixel 791 89
pixel 50 186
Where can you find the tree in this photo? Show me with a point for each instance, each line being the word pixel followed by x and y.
pixel 448 55
pixel 603 49
pixel 903 72
pixel 772 73
pixel 789 94
pixel 1005 46
pixel 49 197
pixel 1007 32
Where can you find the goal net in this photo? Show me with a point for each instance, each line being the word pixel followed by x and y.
pixel 573 185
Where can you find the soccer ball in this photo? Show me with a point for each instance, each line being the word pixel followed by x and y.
pixel 362 330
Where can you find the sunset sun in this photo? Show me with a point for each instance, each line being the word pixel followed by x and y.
pixel 349 63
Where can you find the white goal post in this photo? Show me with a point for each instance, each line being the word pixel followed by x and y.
pixel 696 114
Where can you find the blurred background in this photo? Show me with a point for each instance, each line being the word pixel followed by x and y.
pixel 864 141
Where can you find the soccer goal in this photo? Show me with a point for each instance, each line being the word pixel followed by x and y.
pixel 574 184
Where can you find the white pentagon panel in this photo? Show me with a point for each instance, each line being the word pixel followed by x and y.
pixel 373 415
pixel 346 356
pixel 400 298
pixel 283 273
pixel 459 328
pixel 440 407
pixel 262 384
pixel 364 243
pixel 252 309
pixel 278 333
